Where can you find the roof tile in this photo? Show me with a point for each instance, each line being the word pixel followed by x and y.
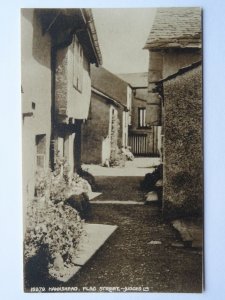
pixel 175 27
pixel 135 79
pixel 109 84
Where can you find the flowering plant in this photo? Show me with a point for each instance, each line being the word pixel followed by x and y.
pixel 51 221
pixel 56 225
pixel 41 183
pixel 78 185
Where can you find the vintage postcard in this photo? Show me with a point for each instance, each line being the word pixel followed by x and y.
pixel 112 149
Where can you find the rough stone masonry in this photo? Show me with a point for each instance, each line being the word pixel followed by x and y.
pixel 183 166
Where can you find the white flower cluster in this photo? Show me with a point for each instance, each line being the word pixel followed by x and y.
pixel 78 185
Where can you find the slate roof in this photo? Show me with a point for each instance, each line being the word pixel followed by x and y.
pixel 117 103
pixel 136 80
pixel 109 84
pixel 175 27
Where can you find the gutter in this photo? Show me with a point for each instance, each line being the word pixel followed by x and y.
pixel 92 33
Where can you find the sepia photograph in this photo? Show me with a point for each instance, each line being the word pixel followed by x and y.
pixel 112 150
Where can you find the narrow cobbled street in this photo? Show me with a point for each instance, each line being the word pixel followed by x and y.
pixel 144 250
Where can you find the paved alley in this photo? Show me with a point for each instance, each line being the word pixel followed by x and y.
pixel 112 151
pixel 122 184
pixel 141 252
pixel 130 258
pixel 138 167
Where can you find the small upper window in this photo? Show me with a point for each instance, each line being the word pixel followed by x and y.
pixel 142 117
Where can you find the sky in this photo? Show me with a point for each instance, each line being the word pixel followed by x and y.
pixel 122 34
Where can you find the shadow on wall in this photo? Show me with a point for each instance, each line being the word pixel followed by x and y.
pixel 41 43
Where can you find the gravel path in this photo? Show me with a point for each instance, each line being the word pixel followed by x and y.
pixel 140 253
pixel 129 259
pixel 120 188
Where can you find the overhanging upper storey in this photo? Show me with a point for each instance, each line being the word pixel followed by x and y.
pixel 64 23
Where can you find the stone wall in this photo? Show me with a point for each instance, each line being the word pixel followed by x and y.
pixel 72 105
pixel 183 165
pixel 61 83
pixel 120 132
pixel 95 130
pixel 154 74
pixel 163 63
pixel 173 60
pixel 70 102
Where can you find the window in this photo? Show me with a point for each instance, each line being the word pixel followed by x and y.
pixel 141 117
pixel 77 65
pixel 41 150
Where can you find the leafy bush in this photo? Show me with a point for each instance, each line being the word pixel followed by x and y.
pixel 129 155
pixel 114 139
pixel 81 204
pixel 79 185
pixel 88 177
pixel 119 159
pixel 56 225
pixel 150 179
pixel 52 222
pixel 58 185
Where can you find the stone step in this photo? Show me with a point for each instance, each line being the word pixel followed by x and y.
pixel 151 197
pixel 190 232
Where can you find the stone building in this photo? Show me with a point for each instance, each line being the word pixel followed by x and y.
pixel 36 81
pixel 110 103
pixel 58 46
pixel 75 49
pixel 183 142
pixel 174 46
pixel 174 42
pixel 144 136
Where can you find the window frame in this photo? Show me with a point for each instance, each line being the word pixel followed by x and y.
pixel 142 117
pixel 40 142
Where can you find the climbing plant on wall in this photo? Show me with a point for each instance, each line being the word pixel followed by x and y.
pixel 117 158
pixel 114 138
